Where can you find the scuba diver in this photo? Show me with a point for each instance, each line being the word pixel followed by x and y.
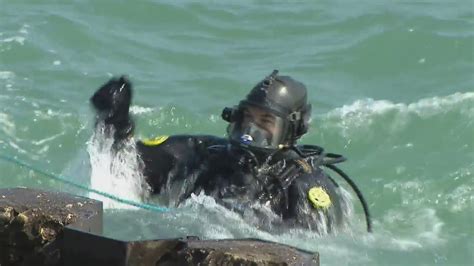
pixel 258 169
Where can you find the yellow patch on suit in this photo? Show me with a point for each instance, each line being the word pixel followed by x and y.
pixel 155 141
pixel 319 197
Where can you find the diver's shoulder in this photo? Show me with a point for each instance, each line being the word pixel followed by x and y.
pixel 318 156
pixel 183 139
pixel 204 140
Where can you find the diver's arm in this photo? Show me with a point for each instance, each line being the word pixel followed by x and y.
pixel 177 159
pixel 112 103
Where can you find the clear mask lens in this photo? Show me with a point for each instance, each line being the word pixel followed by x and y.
pixel 251 134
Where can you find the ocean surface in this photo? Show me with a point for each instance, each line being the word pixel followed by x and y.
pixel 391 84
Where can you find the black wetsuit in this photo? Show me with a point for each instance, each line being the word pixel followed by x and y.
pixel 184 164
pixel 292 186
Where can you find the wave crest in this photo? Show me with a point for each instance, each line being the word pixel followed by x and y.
pixel 390 117
pixel 424 107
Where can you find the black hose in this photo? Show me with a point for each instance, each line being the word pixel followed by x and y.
pixel 357 191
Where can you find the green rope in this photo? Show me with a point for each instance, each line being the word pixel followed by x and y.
pixel 104 194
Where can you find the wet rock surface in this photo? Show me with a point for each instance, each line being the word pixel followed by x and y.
pixel 53 228
pixel 32 221
pixel 239 252
pixel 84 251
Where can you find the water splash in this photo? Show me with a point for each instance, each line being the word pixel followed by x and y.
pixel 256 221
pixel 115 172
pixel 138 110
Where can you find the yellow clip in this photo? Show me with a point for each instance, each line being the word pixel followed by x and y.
pixel 156 141
pixel 319 197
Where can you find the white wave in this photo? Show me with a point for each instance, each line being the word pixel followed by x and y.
pixel 24 29
pixel 417 228
pixel 116 173
pixel 6 75
pixel 7 125
pixel 428 227
pixel 18 148
pixel 50 114
pixel 43 150
pixel 363 109
pixel 405 244
pixel 138 110
pixel 461 198
pixel 358 117
pixel 17 39
pixel 423 232
pixel 48 139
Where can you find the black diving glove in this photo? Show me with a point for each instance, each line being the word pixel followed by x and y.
pixel 113 98
pixel 112 103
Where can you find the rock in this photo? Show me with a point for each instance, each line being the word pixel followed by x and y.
pixel 32 221
pixel 53 228
pixel 239 252
pixel 81 249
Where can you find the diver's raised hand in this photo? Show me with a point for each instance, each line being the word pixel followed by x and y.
pixel 112 103
pixel 113 98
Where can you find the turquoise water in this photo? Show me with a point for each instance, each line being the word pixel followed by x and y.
pixel 391 83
